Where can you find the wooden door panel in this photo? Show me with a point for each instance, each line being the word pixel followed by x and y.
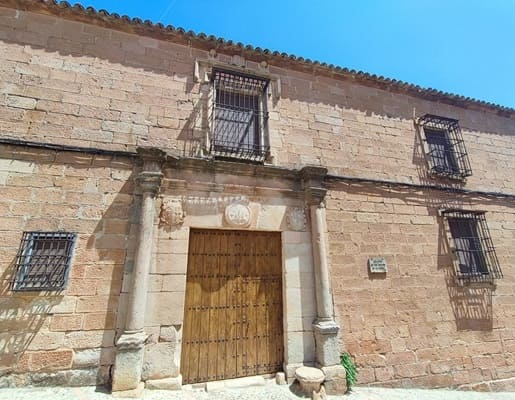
pixel 233 309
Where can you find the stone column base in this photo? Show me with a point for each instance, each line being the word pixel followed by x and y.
pixel 130 394
pixel 326 343
pixel 335 379
pixel 129 362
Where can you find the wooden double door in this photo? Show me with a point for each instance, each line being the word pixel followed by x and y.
pixel 233 324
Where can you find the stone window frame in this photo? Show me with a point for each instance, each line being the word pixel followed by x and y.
pixel 454 162
pixel 474 256
pixel 43 261
pixel 203 74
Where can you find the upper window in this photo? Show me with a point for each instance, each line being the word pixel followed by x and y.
pixel 239 116
pixel 43 261
pixel 475 257
pixel 444 147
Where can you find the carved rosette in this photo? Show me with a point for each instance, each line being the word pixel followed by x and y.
pixel 172 213
pixel 238 215
pixel 296 219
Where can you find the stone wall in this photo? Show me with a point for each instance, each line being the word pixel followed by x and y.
pixel 67 82
pixel 414 325
pixel 64 337
pixel 70 82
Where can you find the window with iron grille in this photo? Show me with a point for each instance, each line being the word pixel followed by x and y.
pixel 445 147
pixel 475 257
pixel 43 261
pixel 239 116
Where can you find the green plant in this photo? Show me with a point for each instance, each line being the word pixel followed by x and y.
pixel 350 369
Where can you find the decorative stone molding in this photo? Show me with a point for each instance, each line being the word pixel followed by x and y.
pixel 238 215
pixel 149 181
pixel 236 63
pixel 172 213
pixel 296 219
pixel 312 181
pixel 132 341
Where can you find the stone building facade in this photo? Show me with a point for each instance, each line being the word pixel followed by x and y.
pixel 113 157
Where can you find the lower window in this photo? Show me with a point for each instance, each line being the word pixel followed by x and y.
pixel 475 257
pixel 43 261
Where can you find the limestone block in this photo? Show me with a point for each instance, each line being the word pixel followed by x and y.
pixel 88 377
pixel 174 283
pixel 93 357
pixel 244 382
pixel 9 165
pixel 327 347
pixel 159 361
pixel 51 360
pixel 290 237
pixel 300 347
pixel 215 386
pixel 164 308
pixel 174 383
pixel 300 302
pixel 170 334
pixel 335 382
pixel 272 217
pixel 298 257
pixel 135 393
pixel 127 371
pixel 280 378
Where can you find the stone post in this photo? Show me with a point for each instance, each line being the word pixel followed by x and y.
pixel 325 327
pixel 130 345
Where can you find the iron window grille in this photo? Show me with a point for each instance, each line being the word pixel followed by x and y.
pixel 43 261
pixel 445 148
pixel 475 257
pixel 239 116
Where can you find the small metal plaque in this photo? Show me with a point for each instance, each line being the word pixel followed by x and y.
pixel 377 265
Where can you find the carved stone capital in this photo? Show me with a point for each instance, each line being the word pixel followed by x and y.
pixel 312 182
pixel 131 341
pixel 316 195
pixel 151 158
pixel 149 181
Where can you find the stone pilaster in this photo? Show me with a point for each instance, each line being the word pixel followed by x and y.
pixel 130 345
pixel 325 327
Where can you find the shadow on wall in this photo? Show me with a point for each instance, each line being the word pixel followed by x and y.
pixel 22 315
pixel 472 303
pixel 38 322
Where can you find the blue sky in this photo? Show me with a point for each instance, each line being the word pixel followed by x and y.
pixel 465 47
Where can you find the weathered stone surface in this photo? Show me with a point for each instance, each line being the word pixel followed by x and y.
pixel 127 369
pixel 326 344
pixel 309 379
pixel 335 380
pixel 160 361
pixel 280 378
pixel 245 382
pixel 165 384
pixel 135 393
pixel 87 358
pixel 169 334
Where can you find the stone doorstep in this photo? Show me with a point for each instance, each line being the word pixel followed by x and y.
pixel 133 394
pixel 238 383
